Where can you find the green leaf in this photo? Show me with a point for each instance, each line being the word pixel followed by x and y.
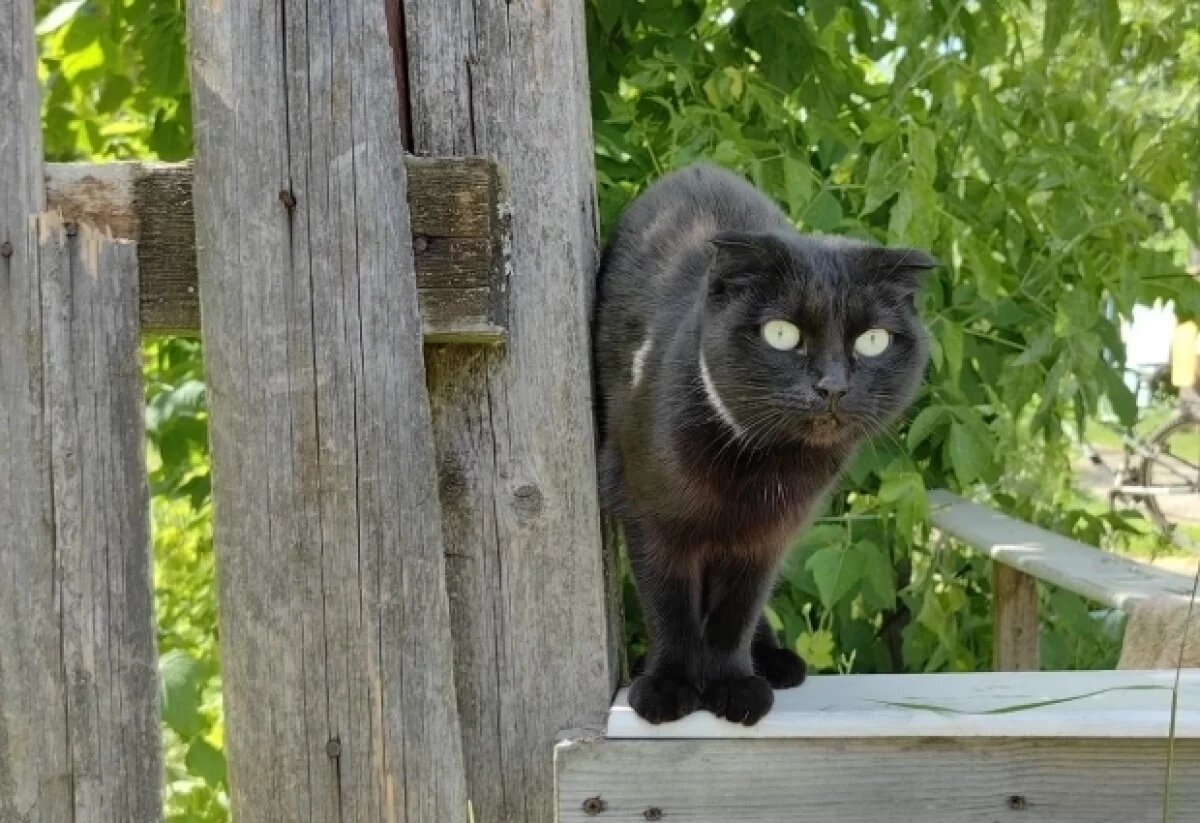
pixel 969 455
pixel 180 677
pixel 836 572
pixel 1055 23
pixel 924 424
pixel 823 213
pixel 207 761
pixel 1112 33
pixel 951 337
pixel 879 576
pixel 1123 401
pixel 816 648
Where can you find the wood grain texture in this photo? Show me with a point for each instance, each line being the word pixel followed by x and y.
pixel 79 736
pixel 457 213
pixel 1016 646
pixel 335 626
pixel 508 81
pixel 1107 578
pixel 79 715
pixel 865 781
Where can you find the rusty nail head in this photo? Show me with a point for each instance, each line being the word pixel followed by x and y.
pixel 334 747
pixel 1017 802
pixel 6 249
pixel 287 198
pixel 420 242
pixel 653 813
pixel 594 806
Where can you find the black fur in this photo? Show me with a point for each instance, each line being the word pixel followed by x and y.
pixel 697 264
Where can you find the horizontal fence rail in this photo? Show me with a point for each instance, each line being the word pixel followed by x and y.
pixel 459 225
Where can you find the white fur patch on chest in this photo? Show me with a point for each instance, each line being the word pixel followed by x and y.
pixel 639 362
pixel 714 399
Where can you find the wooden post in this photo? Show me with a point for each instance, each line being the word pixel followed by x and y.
pixel 527 572
pixel 79 725
pixel 335 632
pixel 1015 620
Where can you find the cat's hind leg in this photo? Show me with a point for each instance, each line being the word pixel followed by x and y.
pixel 782 668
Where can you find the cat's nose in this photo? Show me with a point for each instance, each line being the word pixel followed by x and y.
pixel 832 386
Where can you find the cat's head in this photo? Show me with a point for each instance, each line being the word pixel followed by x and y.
pixel 811 339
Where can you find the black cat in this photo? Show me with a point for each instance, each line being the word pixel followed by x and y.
pixel 739 366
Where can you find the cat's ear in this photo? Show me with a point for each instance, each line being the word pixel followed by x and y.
pixel 905 268
pixel 737 259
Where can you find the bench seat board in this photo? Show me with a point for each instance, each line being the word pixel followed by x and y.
pixel 1100 704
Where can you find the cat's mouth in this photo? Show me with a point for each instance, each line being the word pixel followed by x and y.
pixel 825 429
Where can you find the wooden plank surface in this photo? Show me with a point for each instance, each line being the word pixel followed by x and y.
pixel 458 220
pixel 1016 646
pixel 508 81
pixel 78 710
pixel 335 631
pixel 941 780
pixel 1101 576
pixel 981 704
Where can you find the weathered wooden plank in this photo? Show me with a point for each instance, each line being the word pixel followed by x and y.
pixel 335 626
pixel 932 780
pixel 1101 576
pixel 458 220
pixel 1016 646
pixel 1094 704
pixel 78 710
pixel 101 502
pixel 514 429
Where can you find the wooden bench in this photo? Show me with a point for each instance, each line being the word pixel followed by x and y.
pixel 1157 600
pixel 1014 744
pixel 1034 746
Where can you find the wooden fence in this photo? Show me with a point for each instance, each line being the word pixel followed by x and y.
pixel 413 591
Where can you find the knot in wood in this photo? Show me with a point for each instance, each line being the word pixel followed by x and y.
pixel 594 806
pixel 420 242
pixel 1017 802
pixel 334 747
pixel 287 199
pixel 653 813
pixel 528 500
pixel 6 249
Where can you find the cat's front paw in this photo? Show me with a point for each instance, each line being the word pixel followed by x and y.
pixel 742 700
pixel 662 699
pixel 782 668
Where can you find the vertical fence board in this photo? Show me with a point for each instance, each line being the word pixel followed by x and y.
pixel 79 733
pixel 527 571
pixel 34 770
pixel 335 626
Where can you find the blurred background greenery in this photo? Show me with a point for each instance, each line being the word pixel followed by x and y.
pixel 1045 150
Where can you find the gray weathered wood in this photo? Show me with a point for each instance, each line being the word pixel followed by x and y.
pixel 1108 578
pixel 514 428
pixel 1016 646
pixel 79 738
pixel 335 627
pixel 943 780
pixel 458 219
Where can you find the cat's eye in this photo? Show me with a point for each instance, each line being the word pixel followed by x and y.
pixel 781 335
pixel 873 342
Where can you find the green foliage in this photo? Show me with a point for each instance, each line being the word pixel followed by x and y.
pixel 114 79
pixel 1044 151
